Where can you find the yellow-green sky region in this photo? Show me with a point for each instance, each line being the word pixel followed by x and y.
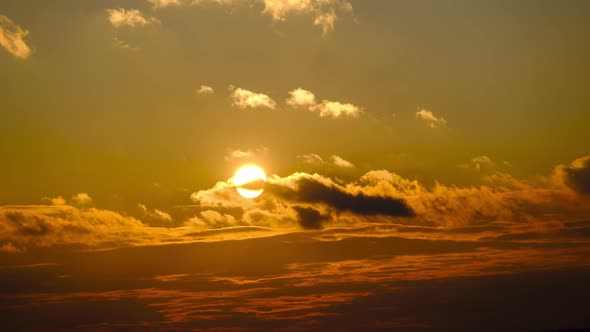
pixel 427 163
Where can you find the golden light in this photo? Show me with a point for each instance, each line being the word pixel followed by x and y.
pixel 249 181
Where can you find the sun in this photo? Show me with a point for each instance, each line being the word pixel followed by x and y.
pixel 249 181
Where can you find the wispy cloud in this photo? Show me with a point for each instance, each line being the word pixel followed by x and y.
pixel 12 38
pixel 432 120
pixel 333 109
pixel 205 90
pixel 129 18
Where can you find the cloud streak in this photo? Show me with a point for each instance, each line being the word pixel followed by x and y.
pixel 12 38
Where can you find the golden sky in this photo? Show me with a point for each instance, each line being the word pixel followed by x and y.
pixel 421 159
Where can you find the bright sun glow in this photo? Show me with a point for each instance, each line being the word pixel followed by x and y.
pixel 249 181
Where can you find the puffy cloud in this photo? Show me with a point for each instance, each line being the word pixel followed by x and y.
pixel 335 109
pixel 479 162
pixel 324 11
pixel 12 38
pixel 300 97
pixel 205 90
pixel 82 199
pixel 129 17
pixel 432 120
pixel 243 98
pixel 576 175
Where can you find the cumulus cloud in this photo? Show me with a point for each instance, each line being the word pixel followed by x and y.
pixel 243 98
pixel 205 90
pixel 12 38
pixel 309 218
pixel 311 159
pixel 479 162
pixel 335 109
pixel 165 3
pixel 129 17
pixel 300 97
pixel 576 175
pixel 55 200
pixel 432 120
pixel 82 199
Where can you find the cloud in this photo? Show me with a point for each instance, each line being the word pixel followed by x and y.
pixel 340 162
pixel 316 160
pixel 205 90
pixel 12 38
pixel 55 200
pixel 324 11
pixel 166 3
pixel 576 175
pixel 242 155
pixel 479 162
pixel 243 98
pixel 432 120
pixel 129 17
pixel 82 199
pixel 311 159
pixel 154 217
pixel 335 109
pixel 301 98
pixel 309 218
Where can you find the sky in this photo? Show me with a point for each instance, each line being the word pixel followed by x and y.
pixel 427 165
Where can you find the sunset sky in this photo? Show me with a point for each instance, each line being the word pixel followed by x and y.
pixel 427 165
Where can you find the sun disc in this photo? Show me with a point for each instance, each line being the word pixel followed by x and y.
pixel 249 181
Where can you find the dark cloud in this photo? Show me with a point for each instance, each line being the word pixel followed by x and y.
pixel 309 218
pixel 576 175
pixel 312 191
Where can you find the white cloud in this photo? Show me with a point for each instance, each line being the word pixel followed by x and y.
pixel 82 199
pixel 316 160
pixel 129 17
pixel 165 3
pixel 432 120
pixel 55 200
pixel 335 109
pixel 341 162
pixel 300 97
pixel 243 98
pixel 12 38
pixel 205 90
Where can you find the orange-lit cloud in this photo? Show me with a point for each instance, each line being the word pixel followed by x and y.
pixel 432 120
pixel 12 38
pixel 243 98
pixel 129 18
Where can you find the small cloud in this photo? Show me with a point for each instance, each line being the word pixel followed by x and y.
pixel 341 162
pixel 165 3
pixel 155 217
pixel 507 164
pixel 335 109
pixel 432 120
pixel 118 43
pixel 311 159
pixel 316 160
pixel 479 162
pixel 129 17
pixel 55 200
pixel 243 98
pixel 82 199
pixel 309 218
pixel 301 98
pixel 238 154
pixel 12 38
pixel 205 90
